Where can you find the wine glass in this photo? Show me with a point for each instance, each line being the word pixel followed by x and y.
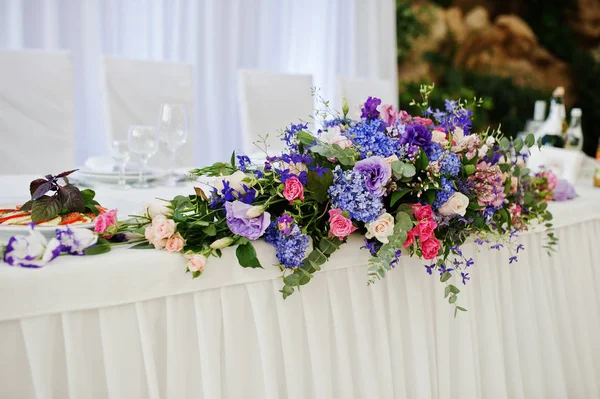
pixel 120 153
pixel 143 142
pixel 173 132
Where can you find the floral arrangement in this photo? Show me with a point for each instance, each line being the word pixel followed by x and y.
pixel 411 185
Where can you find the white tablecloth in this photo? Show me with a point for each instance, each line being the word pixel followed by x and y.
pixel 132 324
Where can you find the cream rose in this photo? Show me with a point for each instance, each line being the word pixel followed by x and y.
pixel 458 134
pixel 156 208
pixel 382 228
pixel 235 181
pixel 175 243
pixel 333 135
pixel 483 150
pixel 439 137
pixel 456 205
pixel 391 159
pixel 196 263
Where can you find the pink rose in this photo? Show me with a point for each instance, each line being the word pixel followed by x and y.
pixel 410 239
pixel 424 229
pixel 105 220
pixel 439 136
pixel 293 190
pixel 163 227
pixel 424 212
pixel 175 243
pixel 552 180
pixel 339 226
pixel 430 248
pixel 151 237
pixel 389 113
pixel 196 263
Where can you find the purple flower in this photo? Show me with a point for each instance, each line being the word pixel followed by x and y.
pixel 32 250
pixel 369 109
pixel 465 277
pixel 377 174
pixel 416 135
pixel 430 268
pixel 238 223
pixel 564 191
pixel 75 241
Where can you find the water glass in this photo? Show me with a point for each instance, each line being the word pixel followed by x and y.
pixel 173 132
pixel 143 141
pixel 120 153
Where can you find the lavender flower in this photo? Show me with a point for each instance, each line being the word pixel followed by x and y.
pixel 369 109
pixel 238 223
pixel 377 174
pixel 564 191
pixel 416 135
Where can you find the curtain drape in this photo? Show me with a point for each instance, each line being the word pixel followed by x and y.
pixel 324 38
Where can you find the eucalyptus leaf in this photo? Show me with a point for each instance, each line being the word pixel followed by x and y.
pixel 445 277
pixel 504 144
pixel 292 280
pixel 404 221
pixel 518 143
pixel 286 290
pixel 530 140
pixel 398 169
pixel 409 170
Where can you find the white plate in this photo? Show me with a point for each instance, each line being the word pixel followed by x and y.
pixel 7 231
pixel 112 178
pixel 128 172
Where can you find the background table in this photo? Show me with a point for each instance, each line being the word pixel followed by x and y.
pixel 132 324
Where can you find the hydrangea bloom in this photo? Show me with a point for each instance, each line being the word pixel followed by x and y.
pixel 444 194
pixel 349 193
pixel 371 138
pixel 488 185
pixel 449 163
pixel 289 242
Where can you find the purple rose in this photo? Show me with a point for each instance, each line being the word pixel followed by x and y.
pixel 377 173
pixel 238 223
pixel 416 135
pixel 369 109
pixel 564 191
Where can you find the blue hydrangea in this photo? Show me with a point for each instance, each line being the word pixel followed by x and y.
pixel 371 138
pixel 349 193
pixel 449 163
pixel 444 194
pixel 289 248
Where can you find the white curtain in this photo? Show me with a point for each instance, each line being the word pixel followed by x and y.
pixel 323 38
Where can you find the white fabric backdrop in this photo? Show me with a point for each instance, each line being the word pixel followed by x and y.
pixel 322 38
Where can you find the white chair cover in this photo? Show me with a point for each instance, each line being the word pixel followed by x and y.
pixel 357 90
pixel 135 91
pixel 269 102
pixel 36 112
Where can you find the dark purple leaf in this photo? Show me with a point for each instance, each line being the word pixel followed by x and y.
pixel 45 208
pixel 33 186
pixel 70 198
pixel 41 190
pixel 67 173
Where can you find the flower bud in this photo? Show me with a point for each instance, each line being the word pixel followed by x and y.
pixel 255 211
pixel 222 243
pixel 345 107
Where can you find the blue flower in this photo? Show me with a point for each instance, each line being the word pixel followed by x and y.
pixel 371 139
pixel 319 169
pixel 444 194
pixel 465 277
pixel 244 162
pixel 289 135
pixel 289 248
pixel 430 268
pixel 519 247
pixel 449 163
pixel 349 193
pixel 470 262
pixel 369 109
pixel 442 269
pixel 373 247
pixel 513 259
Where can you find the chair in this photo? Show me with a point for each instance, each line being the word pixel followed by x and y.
pixel 36 112
pixel 136 89
pixel 269 102
pixel 357 90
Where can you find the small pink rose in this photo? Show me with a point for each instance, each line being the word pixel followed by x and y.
pixel 424 212
pixel 196 263
pixel 389 113
pixel 552 180
pixel 424 229
pixel 410 239
pixel 175 243
pixel 430 248
pixel 105 220
pixel 339 226
pixel 293 189
pixel 163 227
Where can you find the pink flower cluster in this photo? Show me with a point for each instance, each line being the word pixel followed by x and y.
pixel 105 221
pixel 424 229
pixel 339 225
pixel 161 233
pixel 488 184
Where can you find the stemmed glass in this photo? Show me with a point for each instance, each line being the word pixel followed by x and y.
pixel 120 153
pixel 173 132
pixel 143 141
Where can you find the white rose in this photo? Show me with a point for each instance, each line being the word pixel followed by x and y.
pixel 235 181
pixel 457 204
pixel 483 151
pixel 458 134
pixel 490 141
pixel 255 211
pixel 391 159
pixel 222 243
pixel 382 228
pixel 156 208
pixel 333 135
pixel 297 168
pixel 439 137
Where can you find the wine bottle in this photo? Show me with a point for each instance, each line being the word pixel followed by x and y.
pixel 574 133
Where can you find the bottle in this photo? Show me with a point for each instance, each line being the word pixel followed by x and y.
pixel 551 131
pixel 539 113
pixel 574 133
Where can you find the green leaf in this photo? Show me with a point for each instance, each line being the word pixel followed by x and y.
pixel 469 169
pixel 292 280
pixel 530 140
pixel 178 217
pixel 246 255
pixel 406 208
pixel 518 143
pixel 504 144
pixel 286 290
pixel 453 289
pixel 461 309
pixel 422 162
pixel 142 245
pixel 317 257
pixel 524 171
pixel 97 249
pixel 397 195
pixel 305 137
pixel 398 169
pixel 452 299
pixel 446 291
pixel 404 221
pixel 317 186
pixel 27 206
pixel 232 159
pixel 409 170
pixel 445 277
pixel 210 230
pixel 329 246
pixel 430 196
pixel 70 198
pixel 45 208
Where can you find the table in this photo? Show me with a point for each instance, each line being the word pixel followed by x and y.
pixel 133 324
